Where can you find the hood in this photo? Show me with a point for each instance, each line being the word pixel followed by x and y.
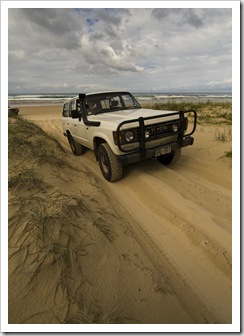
pixel 124 115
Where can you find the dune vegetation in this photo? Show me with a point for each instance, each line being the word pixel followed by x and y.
pixel 208 112
pixel 50 233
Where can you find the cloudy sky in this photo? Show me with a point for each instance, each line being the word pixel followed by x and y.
pixel 52 50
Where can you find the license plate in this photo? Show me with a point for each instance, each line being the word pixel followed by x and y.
pixel 162 151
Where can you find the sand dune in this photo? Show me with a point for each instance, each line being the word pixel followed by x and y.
pixel 170 261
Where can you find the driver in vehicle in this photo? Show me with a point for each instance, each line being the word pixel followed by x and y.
pixel 92 107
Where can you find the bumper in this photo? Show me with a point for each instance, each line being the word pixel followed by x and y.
pixel 150 153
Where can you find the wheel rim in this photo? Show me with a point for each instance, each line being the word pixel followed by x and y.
pixel 104 163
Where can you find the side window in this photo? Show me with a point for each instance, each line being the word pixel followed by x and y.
pixel 78 107
pixel 66 110
pixel 72 106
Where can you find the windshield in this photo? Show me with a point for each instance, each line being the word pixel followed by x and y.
pixel 110 102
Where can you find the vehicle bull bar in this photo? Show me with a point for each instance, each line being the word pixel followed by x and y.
pixel 141 125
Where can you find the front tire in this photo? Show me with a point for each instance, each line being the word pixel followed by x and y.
pixel 111 168
pixel 170 158
pixel 76 148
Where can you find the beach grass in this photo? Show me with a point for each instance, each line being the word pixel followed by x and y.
pixel 104 227
pixel 207 112
pixel 87 316
pixel 224 135
pixel 228 154
pixel 48 228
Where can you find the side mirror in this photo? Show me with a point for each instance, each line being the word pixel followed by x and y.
pixel 75 114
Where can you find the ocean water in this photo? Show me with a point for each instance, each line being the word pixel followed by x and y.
pixel 59 99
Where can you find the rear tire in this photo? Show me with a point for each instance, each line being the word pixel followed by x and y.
pixel 76 148
pixel 170 158
pixel 111 168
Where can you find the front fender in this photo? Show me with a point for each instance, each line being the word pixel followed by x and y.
pixel 101 138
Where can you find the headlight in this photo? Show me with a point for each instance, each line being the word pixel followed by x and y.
pixel 129 136
pixel 175 128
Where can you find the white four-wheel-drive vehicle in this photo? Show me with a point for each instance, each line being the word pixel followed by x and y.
pixel 121 132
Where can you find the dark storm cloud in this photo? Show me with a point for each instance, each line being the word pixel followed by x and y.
pixel 46 26
pixel 50 19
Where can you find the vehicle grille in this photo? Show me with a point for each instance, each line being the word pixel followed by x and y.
pixel 157 131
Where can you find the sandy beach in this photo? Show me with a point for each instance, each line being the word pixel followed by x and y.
pixel 154 248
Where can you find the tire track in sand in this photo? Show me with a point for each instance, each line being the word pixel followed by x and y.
pixel 176 210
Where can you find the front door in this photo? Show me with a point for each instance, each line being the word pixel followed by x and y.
pixel 79 128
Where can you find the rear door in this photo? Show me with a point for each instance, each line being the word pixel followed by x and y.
pixel 68 122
